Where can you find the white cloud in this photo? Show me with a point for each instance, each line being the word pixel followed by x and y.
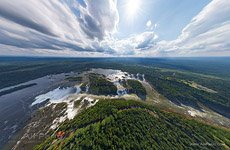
pixel 149 24
pixel 99 18
pixel 67 27
pixel 207 33
pixel 132 45
pixel 56 25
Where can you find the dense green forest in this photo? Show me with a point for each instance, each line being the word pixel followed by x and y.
pixel 19 72
pixel 14 70
pixel 178 92
pixel 134 86
pixel 120 124
pixel 100 86
pixel 157 73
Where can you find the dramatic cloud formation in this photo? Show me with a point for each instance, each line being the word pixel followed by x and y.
pixel 87 27
pixel 99 18
pixel 57 25
pixel 132 45
pixel 207 33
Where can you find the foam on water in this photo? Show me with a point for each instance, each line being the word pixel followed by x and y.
pixel 57 95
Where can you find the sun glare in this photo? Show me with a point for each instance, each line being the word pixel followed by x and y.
pixel 132 7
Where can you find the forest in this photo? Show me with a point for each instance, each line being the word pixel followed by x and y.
pixel 134 86
pixel 211 73
pixel 121 124
pixel 181 93
pixel 100 86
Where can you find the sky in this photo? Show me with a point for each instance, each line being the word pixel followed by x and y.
pixel 122 28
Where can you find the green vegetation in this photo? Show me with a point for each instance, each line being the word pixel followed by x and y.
pixel 74 79
pixel 100 86
pixel 16 72
pixel 77 103
pixel 44 117
pixel 120 124
pixel 195 85
pixel 181 93
pixel 135 87
pixel 211 74
pixel 17 88
pixel 129 124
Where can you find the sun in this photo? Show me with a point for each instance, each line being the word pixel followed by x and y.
pixel 132 7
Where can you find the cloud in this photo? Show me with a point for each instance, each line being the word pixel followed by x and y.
pixel 99 18
pixel 207 33
pixel 57 25
pixel 149 24
pixel 131 45
pixel 87 27
pixel 146 40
